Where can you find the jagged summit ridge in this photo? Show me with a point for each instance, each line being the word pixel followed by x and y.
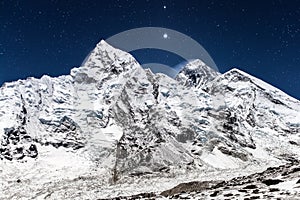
pixel 103 60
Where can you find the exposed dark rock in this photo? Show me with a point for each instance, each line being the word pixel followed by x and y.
pixel 84 78
pixel 250 187
pixel 272 99
pixel 66 131
pixel 228 195
pixel 138 196
pixel 32 151
pixel 293 170
pixel 293 142
pixel 155 90
pixel 254 197
pixel 272 181
pixel 250 119
pixel 188 187
pixel 233 153
pixel 214 194
pixel 274 190
pixel 256 191
pixel 14 144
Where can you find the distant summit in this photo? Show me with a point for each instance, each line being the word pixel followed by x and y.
pixel 196 73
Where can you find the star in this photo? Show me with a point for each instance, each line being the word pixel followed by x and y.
pixel 165 7
pixel 165 36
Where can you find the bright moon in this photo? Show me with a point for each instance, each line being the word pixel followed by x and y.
pixel 165 35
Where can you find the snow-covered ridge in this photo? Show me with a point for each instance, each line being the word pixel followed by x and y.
pixel 111 125
pixel 259 83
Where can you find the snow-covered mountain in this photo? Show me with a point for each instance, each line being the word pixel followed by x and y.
pixel 112 128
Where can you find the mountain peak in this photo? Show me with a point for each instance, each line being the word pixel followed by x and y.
pixel 104 58
pixel 196 73
pixel 104 46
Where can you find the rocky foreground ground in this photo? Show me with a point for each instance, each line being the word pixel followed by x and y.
pixel 282 182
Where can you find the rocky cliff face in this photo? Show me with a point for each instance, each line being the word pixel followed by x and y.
pixel 111 122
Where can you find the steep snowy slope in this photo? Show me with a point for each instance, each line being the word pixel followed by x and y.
pixel 110 126
pixel 256 109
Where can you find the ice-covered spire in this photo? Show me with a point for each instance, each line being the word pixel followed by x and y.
pixel 104 58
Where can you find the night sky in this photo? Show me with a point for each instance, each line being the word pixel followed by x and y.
pixel 51 37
